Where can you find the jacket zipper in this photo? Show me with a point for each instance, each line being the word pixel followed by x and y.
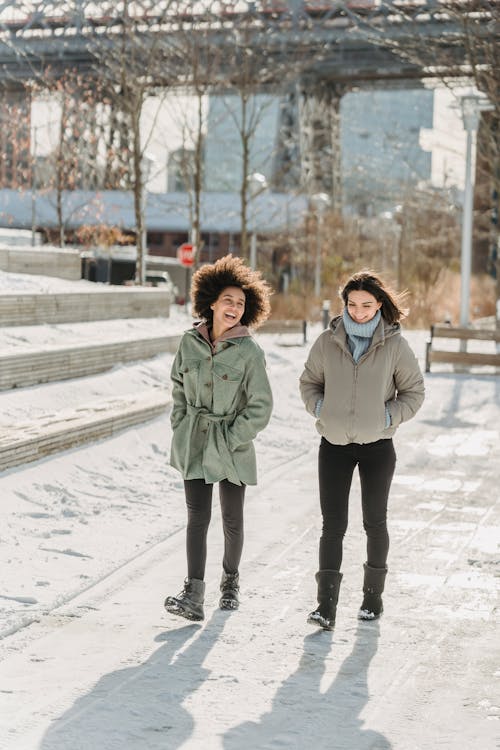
pixel 353 402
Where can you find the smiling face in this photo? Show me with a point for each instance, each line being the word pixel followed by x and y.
pixel 228 310
pixel 362 306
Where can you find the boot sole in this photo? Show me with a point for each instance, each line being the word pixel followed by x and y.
pixel 229 604
pixel 367 616
pixel 321 622
pixel 175 609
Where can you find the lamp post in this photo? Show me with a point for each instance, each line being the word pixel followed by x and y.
pixel 257 183
pixel 147 165
pixel 33 187
pixel 471 104
pixel 319 203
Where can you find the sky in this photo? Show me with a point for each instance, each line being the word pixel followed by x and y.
pixel 92 540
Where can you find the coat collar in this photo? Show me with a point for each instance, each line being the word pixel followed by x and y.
pixel 382 332
pixel 236 332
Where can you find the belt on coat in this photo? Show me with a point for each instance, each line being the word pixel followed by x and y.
pixel 216 438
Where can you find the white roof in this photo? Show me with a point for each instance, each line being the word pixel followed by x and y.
pixel 165 212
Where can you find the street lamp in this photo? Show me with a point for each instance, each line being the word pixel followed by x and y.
pixel 319 203
pixel 147 165
pixel 471 103
pixel 257 183
pixel 33 185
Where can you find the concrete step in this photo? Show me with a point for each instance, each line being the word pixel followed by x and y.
pixel 45 261
pixel 73 307
pixel 31 441
pixel 61 362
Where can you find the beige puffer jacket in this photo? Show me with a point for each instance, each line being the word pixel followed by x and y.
pixel 356 394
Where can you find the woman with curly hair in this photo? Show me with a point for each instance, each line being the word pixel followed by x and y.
pixel 221 400
pixel 361 381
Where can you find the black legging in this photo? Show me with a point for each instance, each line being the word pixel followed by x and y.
pixel 376 463
pixel 199 507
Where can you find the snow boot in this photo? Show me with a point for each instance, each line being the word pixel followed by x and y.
pixel 189 603
pixel 328 595
pixel 373 587
pixel 229 587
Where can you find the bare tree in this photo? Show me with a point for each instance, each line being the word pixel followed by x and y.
pixel 136 61
pixel 197 43
pixel 72 162
pixel 254 71
pixel 467 51
pixel 15 124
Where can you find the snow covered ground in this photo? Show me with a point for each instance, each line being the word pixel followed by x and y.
pixel 92 540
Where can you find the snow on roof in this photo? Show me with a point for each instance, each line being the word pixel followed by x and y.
pixel 165 212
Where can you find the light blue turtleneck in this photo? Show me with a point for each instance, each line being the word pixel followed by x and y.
pixel 359 335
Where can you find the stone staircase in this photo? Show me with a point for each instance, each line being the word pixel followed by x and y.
pixel 31 441
pixel 62 363
pixel 88 421
pixel 72 307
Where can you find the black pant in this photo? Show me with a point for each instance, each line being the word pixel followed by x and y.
pixel 376 463
pixel 199 507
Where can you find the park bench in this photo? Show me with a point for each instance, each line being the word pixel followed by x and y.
pixel 285 326
pixel 464 358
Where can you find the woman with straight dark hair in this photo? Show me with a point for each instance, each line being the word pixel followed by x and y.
pixel 361 381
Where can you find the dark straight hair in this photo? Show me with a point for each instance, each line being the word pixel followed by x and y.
pixel 392 308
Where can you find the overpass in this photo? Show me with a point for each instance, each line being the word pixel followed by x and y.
pixel 312 51
pixel 356 41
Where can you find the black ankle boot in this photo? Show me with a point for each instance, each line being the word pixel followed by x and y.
pixel 328 595
pixel 230 588
pixel 189 602
pixel 373 587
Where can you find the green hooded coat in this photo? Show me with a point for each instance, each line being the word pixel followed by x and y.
pixel 221 400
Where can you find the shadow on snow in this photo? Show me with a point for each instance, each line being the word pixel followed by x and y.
pixel 140 707
pixel 303 715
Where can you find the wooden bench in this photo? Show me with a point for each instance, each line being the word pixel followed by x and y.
pixel 461 357
pixel 285 326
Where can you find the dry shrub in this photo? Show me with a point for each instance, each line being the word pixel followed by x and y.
pixel 441 302
pixel 101 235
pixel 427 305
pixel 291 307
pixel 417 250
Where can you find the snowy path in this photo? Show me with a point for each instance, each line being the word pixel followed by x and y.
pixel 96 538
pixel 110 670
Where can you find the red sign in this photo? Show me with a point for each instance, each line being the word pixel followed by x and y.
pixel 186 253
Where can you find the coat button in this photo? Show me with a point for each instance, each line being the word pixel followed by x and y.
pixel 224 377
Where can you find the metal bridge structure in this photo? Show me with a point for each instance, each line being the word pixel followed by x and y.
pixel 310 51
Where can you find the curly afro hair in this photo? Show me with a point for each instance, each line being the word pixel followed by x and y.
pixel 210 280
